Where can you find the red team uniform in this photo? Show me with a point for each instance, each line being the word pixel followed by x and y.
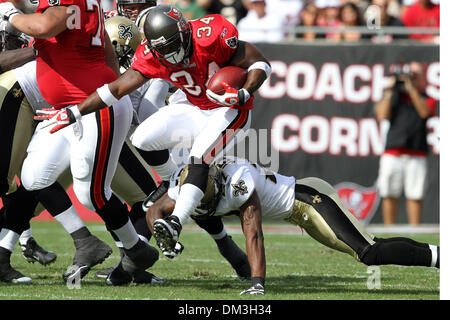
pixel 214 41
pixel 72 65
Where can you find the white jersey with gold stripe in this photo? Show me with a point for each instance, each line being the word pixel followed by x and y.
pixel 240 179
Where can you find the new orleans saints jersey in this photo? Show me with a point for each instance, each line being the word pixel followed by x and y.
pixel 240 179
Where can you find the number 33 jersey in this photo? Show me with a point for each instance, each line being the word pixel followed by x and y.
pixel 71 65
pixel 214 41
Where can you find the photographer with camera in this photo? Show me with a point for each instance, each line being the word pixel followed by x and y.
pixel 403 165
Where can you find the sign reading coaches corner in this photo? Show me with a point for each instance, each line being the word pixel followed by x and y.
pixel 318 104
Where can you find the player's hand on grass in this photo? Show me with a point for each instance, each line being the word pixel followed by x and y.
pixel 231 96
pixel 254 289
pixel 59 119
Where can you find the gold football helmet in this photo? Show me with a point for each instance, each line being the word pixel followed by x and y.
pixel 213 192
pixel 125 38
pixel 141 19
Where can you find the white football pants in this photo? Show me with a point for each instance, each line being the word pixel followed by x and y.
pixel 91 147
pixel 207 133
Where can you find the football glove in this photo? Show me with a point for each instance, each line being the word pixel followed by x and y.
pixel 58 118
pixel 255 289
pixel 7 11
pixel 231 96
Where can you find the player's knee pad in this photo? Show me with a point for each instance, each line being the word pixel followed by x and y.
pixel 31 180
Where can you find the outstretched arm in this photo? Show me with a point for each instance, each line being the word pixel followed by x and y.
pixel 251 222
pixel 11 59
pixel 125 84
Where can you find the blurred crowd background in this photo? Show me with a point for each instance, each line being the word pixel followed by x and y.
pixel 378 21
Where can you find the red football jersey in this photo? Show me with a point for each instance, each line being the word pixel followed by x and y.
pixel 214 41
pixel 72 65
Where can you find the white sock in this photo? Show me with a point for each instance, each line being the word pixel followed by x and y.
pixel 127 235
pixel 189 197
pixel 70 220
pixel 434 255
pixel 27 234
pixel 220 235
pixel 8 239
pixel 165 170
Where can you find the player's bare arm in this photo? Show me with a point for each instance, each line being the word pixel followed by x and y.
pixel 12 59
pixel 162 208
pixel 110 56
pixel 251 222
pixel 43 25
pixel 245 56
pixel 125 84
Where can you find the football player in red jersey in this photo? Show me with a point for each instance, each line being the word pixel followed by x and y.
pixel 186 54
pixel 75 57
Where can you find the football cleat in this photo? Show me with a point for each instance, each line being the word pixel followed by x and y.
pixel 166 232
pixel 7 272
pixel 11 275
pixel 104 273
pixel 75 272
pixel 119 277
pixel 33 252
pixel 140 257
pixel 90 251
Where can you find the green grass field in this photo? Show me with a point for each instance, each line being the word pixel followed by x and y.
pixel 298 268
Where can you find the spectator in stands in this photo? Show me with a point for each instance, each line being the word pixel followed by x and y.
pixel 329 16
pixel 403 165
pixel 232 10
pixel 308 17
pixel 385 20
pixel 260 25
pixel 423 13
pixel 350 16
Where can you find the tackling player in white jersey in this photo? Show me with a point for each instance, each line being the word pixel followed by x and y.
pixel 236 186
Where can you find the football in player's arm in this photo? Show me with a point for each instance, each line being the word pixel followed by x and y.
pixel 245 56
pixel 238 186
pixel 181 51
